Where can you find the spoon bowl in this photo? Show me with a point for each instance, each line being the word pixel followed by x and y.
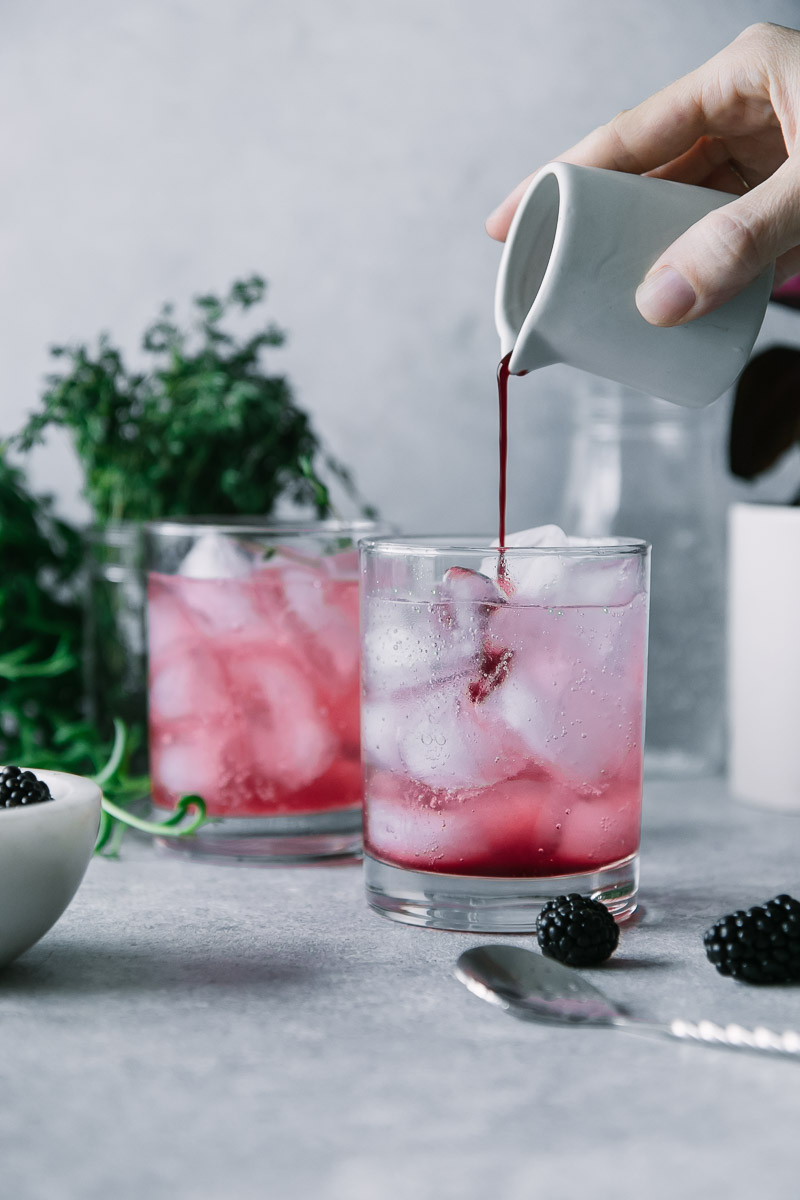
pixel 533 987
pixel 536 988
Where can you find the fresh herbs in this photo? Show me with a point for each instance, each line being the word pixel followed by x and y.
pixel 40 631
pixel 42 723
pixel 203 429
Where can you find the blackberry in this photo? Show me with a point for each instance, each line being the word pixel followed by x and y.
pixel 18 787
pixel 577 931
pixel 761 945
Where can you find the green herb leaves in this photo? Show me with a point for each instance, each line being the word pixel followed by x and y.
pixel 40 625
pixel 203 430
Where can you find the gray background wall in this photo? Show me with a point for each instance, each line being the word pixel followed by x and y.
pixel 350 151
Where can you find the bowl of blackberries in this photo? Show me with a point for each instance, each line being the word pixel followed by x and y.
pixel 48 828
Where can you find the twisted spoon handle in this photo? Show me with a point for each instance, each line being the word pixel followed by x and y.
pixel 736 1037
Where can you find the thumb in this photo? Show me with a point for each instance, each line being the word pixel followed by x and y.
pixel 724 252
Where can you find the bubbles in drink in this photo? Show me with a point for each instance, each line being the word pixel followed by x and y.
pixel 502 729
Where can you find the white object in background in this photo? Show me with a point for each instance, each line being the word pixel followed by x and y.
pixel 764 654
pixel 44 852
pixel 579 245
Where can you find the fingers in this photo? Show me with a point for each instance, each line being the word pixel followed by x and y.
pixel 497 223
pixel 657 131
pixel 726 96
pixel 642 139
pixel 707 164
pixel 724 252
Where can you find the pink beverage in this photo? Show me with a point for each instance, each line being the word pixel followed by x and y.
pixel 502 728
pixel 254 694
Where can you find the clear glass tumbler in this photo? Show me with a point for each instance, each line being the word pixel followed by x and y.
pixel 502 727
pixel 254 685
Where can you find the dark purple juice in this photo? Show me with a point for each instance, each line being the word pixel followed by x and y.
pixel 502 396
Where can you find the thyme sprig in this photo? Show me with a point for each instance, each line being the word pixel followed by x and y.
pixel 203 429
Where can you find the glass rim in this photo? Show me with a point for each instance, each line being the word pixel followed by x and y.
pixel 255 526
pixel 434 544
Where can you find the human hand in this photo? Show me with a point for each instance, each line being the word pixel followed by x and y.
pixel 732 124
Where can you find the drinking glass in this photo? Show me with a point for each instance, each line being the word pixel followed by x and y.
pixel 502 727
pixel 254 684
pixel 114 658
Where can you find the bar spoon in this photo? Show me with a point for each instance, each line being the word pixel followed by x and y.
pixel 536 988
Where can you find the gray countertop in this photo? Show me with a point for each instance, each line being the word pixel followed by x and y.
pixel 193 1030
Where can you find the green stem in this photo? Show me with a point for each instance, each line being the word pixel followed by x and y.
pixel 104 831
pixel 115 759
pixel 168 828
pixel 117 751
pixel 114 818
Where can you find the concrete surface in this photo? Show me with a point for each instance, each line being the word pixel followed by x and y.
pixel 204 1031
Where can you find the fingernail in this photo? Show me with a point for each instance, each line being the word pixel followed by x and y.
pixel 664 297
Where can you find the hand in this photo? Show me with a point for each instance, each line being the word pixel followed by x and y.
pixel 733 124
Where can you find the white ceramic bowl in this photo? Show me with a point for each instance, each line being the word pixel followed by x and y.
pixel 44 853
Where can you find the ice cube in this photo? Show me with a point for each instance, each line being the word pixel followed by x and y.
pixel 602 830
pixel 192 762
pixel 187 683
pixel 408 645
pixel 502 831
pixel 446 740
pixel 573 693
pixel 323 615
pixel 568 579
pixel 580 728
pixel 227 606
pixel 540 535
pixel 169 621
pixel 215 556
pixel 379 734
pixel 598 580
pixel 290 735
pixel 464 586
pixel 402 821
pixel 533 578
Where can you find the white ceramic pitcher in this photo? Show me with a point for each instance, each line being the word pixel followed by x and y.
pixel 580 244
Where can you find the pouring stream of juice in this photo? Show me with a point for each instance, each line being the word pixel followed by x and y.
pixel 502 396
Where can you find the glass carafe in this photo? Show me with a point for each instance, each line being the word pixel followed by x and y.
pixel 640 467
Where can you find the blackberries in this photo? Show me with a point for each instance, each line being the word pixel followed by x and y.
pixel 761 945
pixel 19 787
pixel 577 931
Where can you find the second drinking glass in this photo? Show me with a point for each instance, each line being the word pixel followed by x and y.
pixel 254 685
pixel 502 727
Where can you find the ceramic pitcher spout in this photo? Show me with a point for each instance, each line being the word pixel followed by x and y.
pixel 528 353
pixel 531 354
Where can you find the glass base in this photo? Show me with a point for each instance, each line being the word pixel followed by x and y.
pixel 329 837
pixel 482 905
